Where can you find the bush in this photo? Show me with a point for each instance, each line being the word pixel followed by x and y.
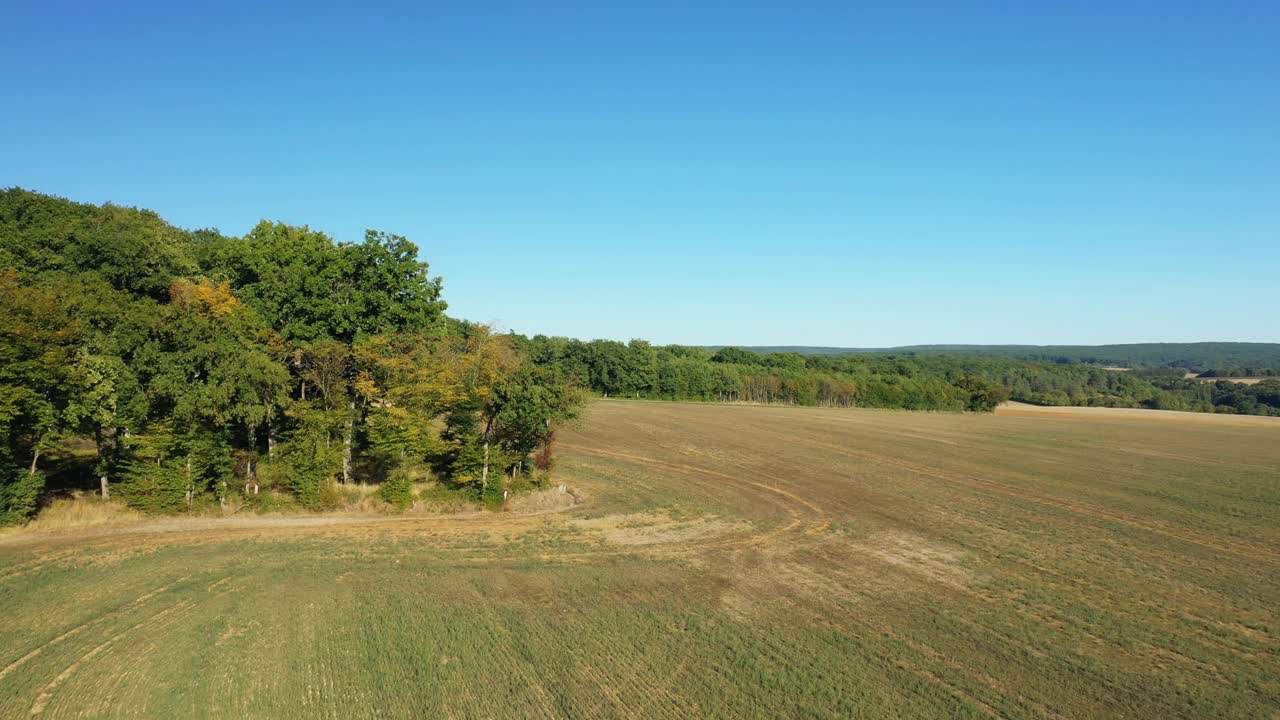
pixel 19 492
pixel 397 489
pixel 307 472
pixel 267 502
pixel 438 497
pixel 520 485
pixel 984 395
pixel 309 477
pixel 328 497
pixel 154 487
pixel 491 496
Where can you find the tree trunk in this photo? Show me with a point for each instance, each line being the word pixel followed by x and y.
pixel 102 463
pixel 271 441
pixel 484 474
pixel 249 475
pixel 346 442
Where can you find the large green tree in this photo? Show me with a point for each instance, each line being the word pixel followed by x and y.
pixel 37 375
pixel 212 374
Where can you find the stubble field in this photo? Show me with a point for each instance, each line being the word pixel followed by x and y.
pixel 726 561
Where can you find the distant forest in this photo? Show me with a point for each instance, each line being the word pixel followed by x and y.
pixel 930 381
pixel 199 366
pixel 1213 359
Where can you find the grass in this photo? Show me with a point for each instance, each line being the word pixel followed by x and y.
pixel 726 562
pixel 79 510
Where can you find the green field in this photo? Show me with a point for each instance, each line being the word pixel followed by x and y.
pixel 725 561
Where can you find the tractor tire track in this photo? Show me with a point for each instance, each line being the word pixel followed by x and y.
pixel 132 604
pixel 181 607
pixel 805 515
pixel 1248 550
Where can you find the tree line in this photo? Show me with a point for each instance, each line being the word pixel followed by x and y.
pixel 1241 372
pixel 639 369
pixel 1197 357
pixel 201 365
pixel 918 382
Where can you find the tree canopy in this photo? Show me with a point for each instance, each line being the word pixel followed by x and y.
pixel 203 365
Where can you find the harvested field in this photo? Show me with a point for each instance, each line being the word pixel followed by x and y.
pixel 1017 409
pixel 727 561
pixel 1238 380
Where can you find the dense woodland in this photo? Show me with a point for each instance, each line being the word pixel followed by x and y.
pixel 1241 372
pixel 640 370
pixel 200 366
pixel 1213 359
pixel 916 382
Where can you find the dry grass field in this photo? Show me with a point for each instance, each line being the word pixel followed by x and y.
pixel 1237 380
pixel 726 561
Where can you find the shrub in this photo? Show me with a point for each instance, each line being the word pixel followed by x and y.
pixel 19 492
pixel 397 489
pixel 327 497
pixel 308 477
pixel 491 496
pixel 984 395
pixel 267 502
pixel 154 487
pixel 307 472
pixel 520 485
pixel 438 497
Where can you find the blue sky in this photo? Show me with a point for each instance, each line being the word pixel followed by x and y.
pixel 790 173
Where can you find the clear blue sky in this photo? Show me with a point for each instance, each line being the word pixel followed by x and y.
pixel 787 173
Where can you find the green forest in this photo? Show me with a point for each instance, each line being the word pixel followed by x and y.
pixel 1213 359
pixel 914 382
pixel 200 367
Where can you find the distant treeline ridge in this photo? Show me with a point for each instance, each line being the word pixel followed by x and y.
pixel 918 382
pixel 1227 359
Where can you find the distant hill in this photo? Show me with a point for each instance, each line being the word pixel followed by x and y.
pixel 1197 357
